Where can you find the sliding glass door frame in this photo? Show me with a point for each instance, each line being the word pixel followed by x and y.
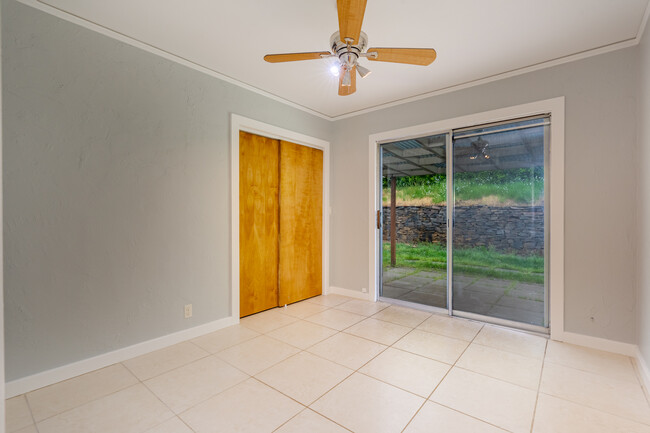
pixel 450 222
pixel 545 329
pixel 380 227
pixel 554 196
pixel 449 170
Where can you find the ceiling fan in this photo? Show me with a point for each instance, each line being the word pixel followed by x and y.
pixel 349 43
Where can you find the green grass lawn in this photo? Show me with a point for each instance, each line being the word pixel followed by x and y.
pixel 436 193
pixel 469 261
pixel 513 186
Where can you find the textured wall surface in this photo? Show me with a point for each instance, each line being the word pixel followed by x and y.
pixel 512 229
pixel 116 190
pixel 600 181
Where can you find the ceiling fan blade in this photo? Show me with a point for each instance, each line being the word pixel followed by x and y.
pixel 348 90
pixel 411 56
pixel 292 57
pixel 350 18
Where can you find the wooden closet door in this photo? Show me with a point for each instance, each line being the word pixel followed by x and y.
pixel 301 222
pixel 258 223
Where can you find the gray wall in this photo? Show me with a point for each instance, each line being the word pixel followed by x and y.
pixel 600 208
pixel 116 183
pixel 117 190
pixel 643 199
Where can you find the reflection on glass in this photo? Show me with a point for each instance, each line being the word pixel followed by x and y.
pixel 415 220
pixel 498 231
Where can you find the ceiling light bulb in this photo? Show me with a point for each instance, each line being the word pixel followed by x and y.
pixel 334 70
pixel 347 80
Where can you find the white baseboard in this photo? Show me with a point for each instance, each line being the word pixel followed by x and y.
pixel 643 371
pixel 347 292
pixel 49 377
pixel 612 346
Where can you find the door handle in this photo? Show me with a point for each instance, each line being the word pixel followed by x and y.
pixel 378 219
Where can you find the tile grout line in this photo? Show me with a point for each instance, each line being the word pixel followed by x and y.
pixel 305 407
pixel 139 381
pixel 386 348
pixel 606 376
pixel 443 378
pixel 92 400
pixel 185 424
pixel 496 378
pixel 252 375
pixel 456 366
pixel 472 416
pixel 164 404
pixel 225 361
pixel 353 371
pixel 233 345
pixel 99 398
pixel 509 351
pixel 300 350
pixel 606 412
pixel 178 415
pixel 308 408
pixel 31 413
pixel 357 371
pixel 171 369
pixel 539 385
pixel 350 375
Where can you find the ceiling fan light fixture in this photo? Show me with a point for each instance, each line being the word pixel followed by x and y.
pixel 349 43
pixel 363 71
pixel 347 80
pixel 334 70
pixel 480 148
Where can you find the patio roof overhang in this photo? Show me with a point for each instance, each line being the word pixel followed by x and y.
pixel 522 148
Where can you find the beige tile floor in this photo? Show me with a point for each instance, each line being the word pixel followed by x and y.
pixel 334 364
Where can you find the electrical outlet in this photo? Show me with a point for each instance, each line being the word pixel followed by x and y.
pixel 364 290
pixel 188 311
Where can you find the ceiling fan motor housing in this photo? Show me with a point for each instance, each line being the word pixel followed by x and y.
pixel 348 54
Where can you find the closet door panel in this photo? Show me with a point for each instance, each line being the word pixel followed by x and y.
pixel 258 223
pixel 301 222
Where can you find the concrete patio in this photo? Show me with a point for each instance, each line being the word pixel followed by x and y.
pixel 506 299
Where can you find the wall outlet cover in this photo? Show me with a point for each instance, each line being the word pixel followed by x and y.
pixel 188 311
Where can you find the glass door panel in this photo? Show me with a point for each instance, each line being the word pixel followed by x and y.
pixel 498 212
pixel 414 229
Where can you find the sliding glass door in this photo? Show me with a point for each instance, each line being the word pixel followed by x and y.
pixel 490 183
pixel 498 213
pixel 414 209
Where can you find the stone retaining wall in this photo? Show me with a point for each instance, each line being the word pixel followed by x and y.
pixel 518 229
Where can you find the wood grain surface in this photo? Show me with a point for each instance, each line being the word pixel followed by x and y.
pixel 258 223
pixel 301 222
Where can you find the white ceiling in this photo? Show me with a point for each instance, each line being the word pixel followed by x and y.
pixel 475 39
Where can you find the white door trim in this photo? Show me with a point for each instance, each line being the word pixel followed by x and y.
pixel 553 106
pixel 2 322
pixel 241 123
